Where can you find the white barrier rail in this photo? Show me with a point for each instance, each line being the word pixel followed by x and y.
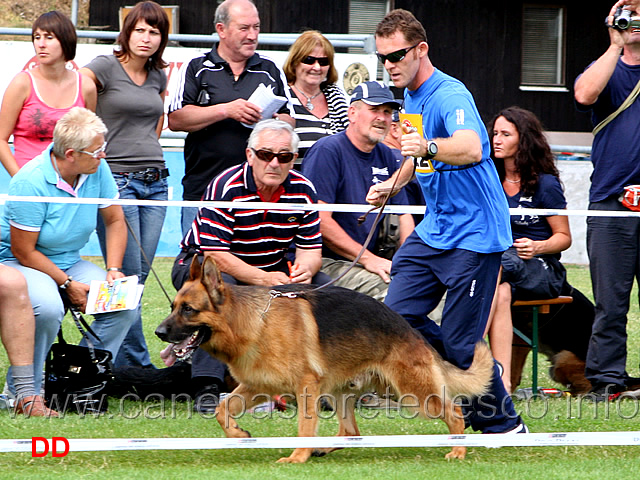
pixel 321 207
pixel 404 441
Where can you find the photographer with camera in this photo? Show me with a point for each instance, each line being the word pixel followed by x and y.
pixel 607 89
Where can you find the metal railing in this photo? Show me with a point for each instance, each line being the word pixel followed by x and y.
pixel 338 40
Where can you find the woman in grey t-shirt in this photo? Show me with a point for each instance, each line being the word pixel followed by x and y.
pixel 131 87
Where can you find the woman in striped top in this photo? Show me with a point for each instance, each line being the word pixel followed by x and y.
pixel 319 104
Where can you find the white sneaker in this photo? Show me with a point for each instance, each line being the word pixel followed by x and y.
pixel 519 428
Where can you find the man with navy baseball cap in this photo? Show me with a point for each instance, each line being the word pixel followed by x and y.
pixel 374 93
pixel 343 167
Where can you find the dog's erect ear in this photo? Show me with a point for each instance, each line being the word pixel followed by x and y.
pixel 212 280
pixel 194 271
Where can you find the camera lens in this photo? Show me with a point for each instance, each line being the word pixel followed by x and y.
pixel 622 19
pixel 622 23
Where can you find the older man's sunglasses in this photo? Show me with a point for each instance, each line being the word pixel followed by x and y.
pixel 397 56
pixel 310 60
pixel 267 156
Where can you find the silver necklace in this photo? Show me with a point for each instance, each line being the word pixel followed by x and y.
pixel 512 181
pixel 309 105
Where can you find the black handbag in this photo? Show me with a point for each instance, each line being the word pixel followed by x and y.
pixel 77 377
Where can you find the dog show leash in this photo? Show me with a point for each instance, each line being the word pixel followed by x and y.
pixel 146 259
pixel 273 293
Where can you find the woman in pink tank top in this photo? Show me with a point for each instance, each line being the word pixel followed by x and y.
pixel 36 98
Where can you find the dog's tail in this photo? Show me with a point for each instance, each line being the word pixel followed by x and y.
pixel 473 381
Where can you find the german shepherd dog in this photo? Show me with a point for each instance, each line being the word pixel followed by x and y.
pixel 331 341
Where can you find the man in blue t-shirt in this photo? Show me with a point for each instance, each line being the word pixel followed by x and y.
pixel 458 245
pixel 612 242
pixel 343 167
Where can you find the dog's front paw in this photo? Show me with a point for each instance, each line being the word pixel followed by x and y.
pixel 237 432
pixel 290 460
pixel 456 452
pixel 242 433
pixel 299 455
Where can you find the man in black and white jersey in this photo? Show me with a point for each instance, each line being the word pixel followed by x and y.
pixel 211 104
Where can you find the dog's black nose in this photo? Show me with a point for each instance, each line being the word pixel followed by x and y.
pixel 162 332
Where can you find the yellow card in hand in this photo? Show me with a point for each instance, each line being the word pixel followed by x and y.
pixel 413 123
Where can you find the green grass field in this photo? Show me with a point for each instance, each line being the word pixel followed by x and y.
pixel 128 419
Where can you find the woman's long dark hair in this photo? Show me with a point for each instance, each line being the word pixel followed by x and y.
pixel 534 154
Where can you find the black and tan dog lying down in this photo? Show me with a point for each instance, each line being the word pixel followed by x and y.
pixel 331 341
pixel 564 335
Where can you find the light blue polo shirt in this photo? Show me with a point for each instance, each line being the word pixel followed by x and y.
pixel 63 228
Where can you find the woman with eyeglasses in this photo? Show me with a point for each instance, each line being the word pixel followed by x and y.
pixel 319 104
pixel 38 96
pixel 43 240
pixel 131 87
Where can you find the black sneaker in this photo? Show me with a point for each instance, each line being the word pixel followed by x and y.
pixel 632 383
pixel 604 392
pixel 207 399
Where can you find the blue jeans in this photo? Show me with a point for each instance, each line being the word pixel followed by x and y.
pixel 187 215
pixel 49 312
pixel 147 223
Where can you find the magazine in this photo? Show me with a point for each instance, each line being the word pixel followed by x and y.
pixel 123 294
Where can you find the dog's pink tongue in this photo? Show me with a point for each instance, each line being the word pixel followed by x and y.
pixel 168 356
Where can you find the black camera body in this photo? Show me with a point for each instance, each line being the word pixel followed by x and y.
pixel 622 19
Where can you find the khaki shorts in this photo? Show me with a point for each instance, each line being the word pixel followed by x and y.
pixel 357 278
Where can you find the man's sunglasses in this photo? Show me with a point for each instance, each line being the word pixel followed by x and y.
pixel 395 57
pixel 97 152
pixel 267 156
pixel 310 60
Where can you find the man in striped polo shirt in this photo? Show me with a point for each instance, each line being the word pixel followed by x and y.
pixel 250 246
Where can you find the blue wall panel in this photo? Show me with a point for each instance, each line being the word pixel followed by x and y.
pixel 171 232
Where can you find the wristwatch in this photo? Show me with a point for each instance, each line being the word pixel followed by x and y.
pixel 432 149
